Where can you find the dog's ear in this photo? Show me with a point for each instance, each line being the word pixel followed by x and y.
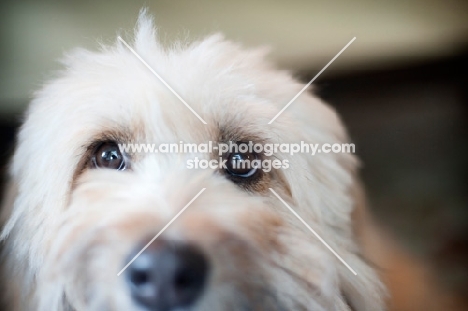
pixel 363 291
pixel 327 190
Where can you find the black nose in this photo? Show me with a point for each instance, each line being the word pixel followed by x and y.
pixel 167 275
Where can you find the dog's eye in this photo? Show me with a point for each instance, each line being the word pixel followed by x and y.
pixel 108 155
pixel 242 164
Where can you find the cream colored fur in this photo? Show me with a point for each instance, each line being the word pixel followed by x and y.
pixel 66 235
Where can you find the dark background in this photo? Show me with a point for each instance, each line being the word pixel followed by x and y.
pixel 410 129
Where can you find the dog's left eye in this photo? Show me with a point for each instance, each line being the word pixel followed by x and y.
pixel 242 164
pixel 108 155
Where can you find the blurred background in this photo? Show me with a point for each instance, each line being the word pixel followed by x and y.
pixel 401 89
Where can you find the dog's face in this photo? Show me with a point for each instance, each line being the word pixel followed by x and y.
pixel 84 208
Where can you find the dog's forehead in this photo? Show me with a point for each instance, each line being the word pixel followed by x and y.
pixel 120 91
pixel 235 91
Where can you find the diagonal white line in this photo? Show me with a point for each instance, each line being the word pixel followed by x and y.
pixel 160 232
pixel 313 79
pixel 312 230
pixel 161 79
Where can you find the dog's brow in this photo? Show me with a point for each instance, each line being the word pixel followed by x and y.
pixel 161 79
pixel 237 133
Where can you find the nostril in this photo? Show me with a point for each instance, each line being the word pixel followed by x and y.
pixel 184 280
pixel 139 277
pixel 141 271
pixel 168 276
pixel 190 275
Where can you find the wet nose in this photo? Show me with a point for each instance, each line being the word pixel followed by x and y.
pixel 167 275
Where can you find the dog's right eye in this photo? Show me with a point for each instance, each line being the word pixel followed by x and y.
pixel 241 164
pixel 108 155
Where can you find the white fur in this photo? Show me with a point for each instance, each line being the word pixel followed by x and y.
pixel 66 239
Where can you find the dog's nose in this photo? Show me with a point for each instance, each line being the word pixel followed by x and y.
pixel 167 275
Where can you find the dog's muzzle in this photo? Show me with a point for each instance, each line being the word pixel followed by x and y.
pixel 167 276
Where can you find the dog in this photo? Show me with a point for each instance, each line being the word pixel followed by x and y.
pixel 87 226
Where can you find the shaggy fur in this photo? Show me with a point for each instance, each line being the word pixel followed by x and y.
pixel 69 229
